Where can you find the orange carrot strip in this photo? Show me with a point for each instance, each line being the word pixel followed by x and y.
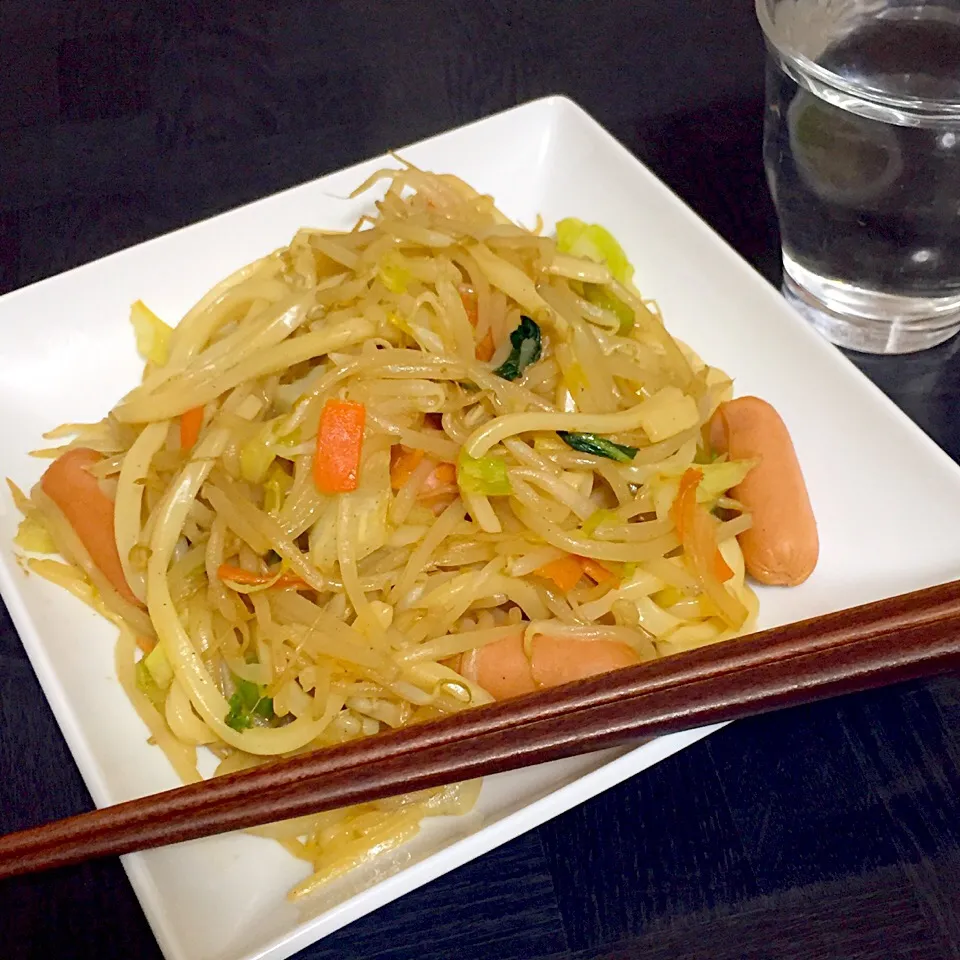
pixel 694 529
pixel 190 423
pixel 471 304
pixel 336 465
pixel 686 498
pixel 442 475
pixel 146 644
pixel 721 569
pixel 565 572
pixel 595 570
pixel 486 348
pixel 402 463
pixel 227 571
pixel 76 492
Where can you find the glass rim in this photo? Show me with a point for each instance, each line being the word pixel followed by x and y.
pixel 940 109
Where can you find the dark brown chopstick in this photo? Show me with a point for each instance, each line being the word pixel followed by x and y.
pixel 904 637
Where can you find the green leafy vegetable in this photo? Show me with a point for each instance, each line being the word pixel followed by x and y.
pixel 593 242
pixel 486 475
pixel 525 341
pixel 598 446
pixel 248 706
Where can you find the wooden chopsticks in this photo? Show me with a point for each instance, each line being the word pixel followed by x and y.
pixel 913 635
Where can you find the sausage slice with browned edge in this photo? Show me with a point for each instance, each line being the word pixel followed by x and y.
pixel 782 546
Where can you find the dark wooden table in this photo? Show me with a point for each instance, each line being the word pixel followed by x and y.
pixel 826 832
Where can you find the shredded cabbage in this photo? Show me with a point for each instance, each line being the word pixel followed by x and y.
pixel 594 242
pixel 394 274
pixel 34 537
pixel 668 412
pixel 152 334
pixel 148 686
pixel 604 299
pixel 598 519
pixel 257 456
pixel 718 478
pixel 276 486
pixel 158 666
pixel 483 475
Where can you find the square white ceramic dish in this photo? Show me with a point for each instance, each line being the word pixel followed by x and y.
pixel 66 353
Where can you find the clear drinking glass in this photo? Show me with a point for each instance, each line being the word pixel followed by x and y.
pixel 862 152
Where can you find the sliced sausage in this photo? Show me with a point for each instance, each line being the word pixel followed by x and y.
pixel 503 669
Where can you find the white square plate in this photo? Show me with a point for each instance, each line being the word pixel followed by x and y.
pixel 887 499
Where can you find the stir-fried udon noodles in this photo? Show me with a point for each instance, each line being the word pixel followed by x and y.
pixel 362 461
